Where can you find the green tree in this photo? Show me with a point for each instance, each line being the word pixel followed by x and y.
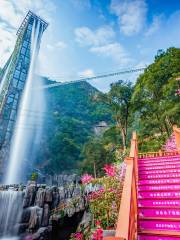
pixel 119 100
pixel 154 98
pixel 95 156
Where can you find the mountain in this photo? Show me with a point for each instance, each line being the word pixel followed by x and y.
pixel 72 117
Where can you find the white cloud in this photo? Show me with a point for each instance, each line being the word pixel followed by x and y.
pixel 86 73
pixel 87 37
pixel 154 26
pixel 57 46
pixel 101 42
pixel 131 15
pixel 115 51
pixel 12 13
pixel 61 45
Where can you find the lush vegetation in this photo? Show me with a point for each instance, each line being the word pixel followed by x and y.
pixel 151 107
pixel 103 200
pixel 70 119
pixel 155 101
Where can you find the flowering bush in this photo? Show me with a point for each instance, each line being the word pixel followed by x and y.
pixel 97 234
pixel 110 170
pixel 103 200
pixel 86 178
pixel 77 236
pixel 170 144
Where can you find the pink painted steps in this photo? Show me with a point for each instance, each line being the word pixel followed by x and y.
pixel 159 198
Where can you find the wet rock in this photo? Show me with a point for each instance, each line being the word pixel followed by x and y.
pixel 21 228
pixel 42 234
pixel 35 217
pixel 26 215
pixel 40 197
pixel 29 195
pixel 46 216
pixel 48 196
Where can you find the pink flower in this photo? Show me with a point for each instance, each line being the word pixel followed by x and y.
pixel 178 91
pixel 98 234
pixel 77 236
pixel 170 144
pixel 86 178
pixel 96 195
pixel 98 223
pixel 110 170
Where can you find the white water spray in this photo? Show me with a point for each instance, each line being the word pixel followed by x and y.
pixel 27 125
pixel 10 213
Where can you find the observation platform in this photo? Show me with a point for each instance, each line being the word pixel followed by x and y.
pixel 28 16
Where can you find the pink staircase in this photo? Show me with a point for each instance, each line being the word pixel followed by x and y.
pixel 159 198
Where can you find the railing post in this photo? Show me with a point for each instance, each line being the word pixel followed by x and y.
pixel 176 131
pixel 122 229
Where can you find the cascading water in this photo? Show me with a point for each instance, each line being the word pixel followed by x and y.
pixel 10 212
pixel 29 120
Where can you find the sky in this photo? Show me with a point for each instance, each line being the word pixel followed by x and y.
pixel 90 37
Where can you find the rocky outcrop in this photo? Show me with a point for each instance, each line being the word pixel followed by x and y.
pixel 43 204
pixel 62 179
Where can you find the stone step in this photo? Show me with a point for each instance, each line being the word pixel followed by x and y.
pixel 159 195
pixel 168 163
pixel 159 188
pixel 159 181
pixel 159 158
pixel 159 203
pixel 160 212
pixel 165 159
pixel 156 237
pixel 145 168
pixel 159 171
pixel 159 225
pixel 159 176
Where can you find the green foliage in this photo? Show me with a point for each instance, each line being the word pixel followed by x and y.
pixel 154 98
pixel 151 107
pixel 105 206
pixel 72 115
pixel 34 176
pixel 95 155
pixel 119 101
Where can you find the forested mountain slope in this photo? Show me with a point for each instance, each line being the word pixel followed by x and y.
pixel 71 116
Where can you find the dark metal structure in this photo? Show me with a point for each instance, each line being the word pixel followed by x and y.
pixel 14 75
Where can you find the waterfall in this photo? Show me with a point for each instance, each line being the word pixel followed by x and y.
pixel 10 212
pixel 28 125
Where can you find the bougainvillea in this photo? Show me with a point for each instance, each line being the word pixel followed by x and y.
pixel 103 200
pixel 97 234
pixel 170 144
pixel 86 178
pixel 110 170
pixel 77 236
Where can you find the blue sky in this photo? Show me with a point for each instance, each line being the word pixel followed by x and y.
pixel 87 37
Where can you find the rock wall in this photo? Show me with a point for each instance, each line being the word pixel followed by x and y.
pixel 44 204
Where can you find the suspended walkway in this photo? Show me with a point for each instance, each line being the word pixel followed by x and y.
pixel 150 204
